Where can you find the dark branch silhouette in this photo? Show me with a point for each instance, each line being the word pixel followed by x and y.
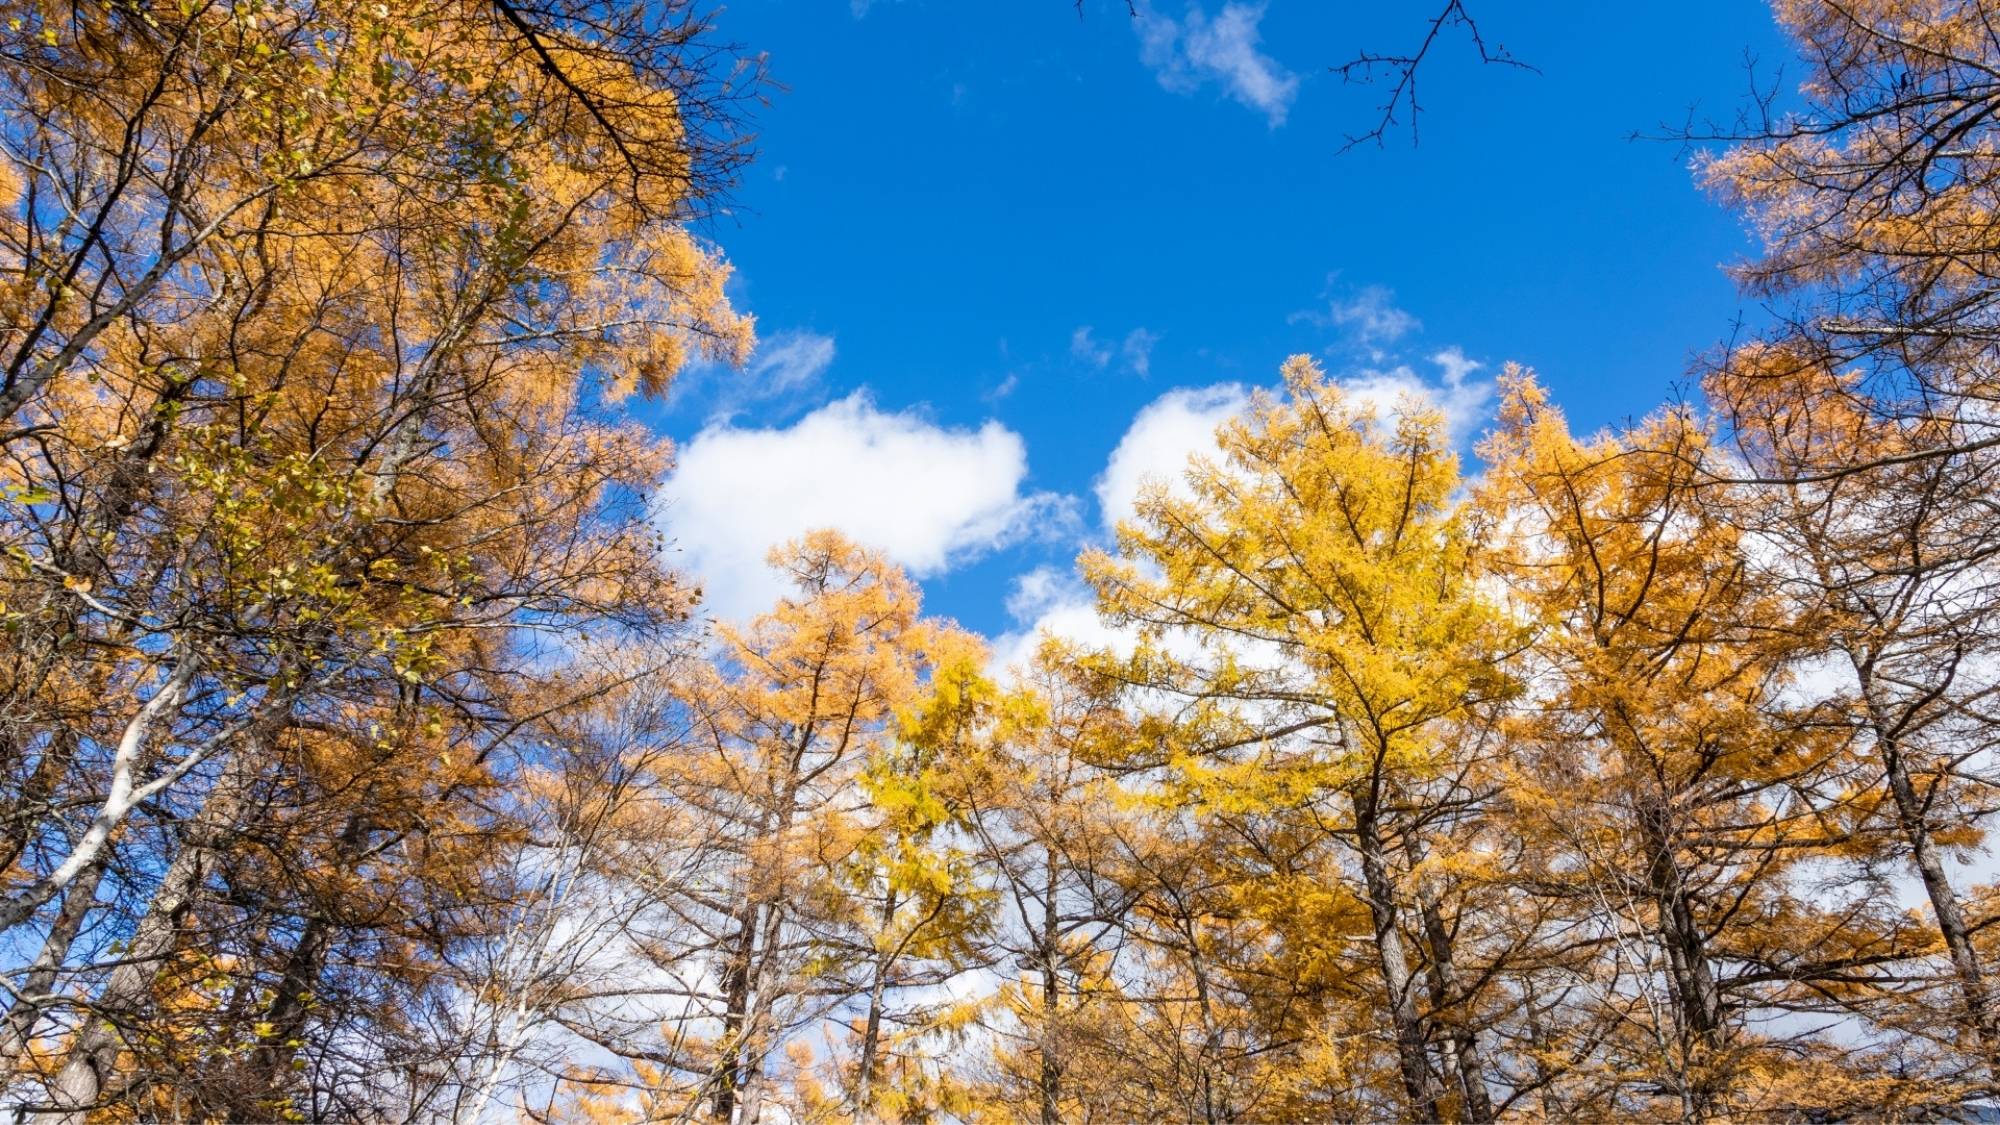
pixel 1401 72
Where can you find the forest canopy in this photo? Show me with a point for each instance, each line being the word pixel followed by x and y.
pixel 366 755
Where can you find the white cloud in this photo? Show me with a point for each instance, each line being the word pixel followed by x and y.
pixel 1455 365
pixel 1182 422
pixel 1138 351
pixel 927 495
pixel 1049 602
pixel 1373 321
pixel 1037 590
pixel 1084 346
pixel 1053 601
pixel 1156 447
pixel 1464 400
pixel 1159 441
pixel 1184 54
pixel 1371 314
pixel 1135 350
pixel 786 361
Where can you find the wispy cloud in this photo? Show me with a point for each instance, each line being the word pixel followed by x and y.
pixel 1370 324
pixel 1224 49
pixel 1369 314
pixel 1137 350
pixel 1084 346
pixel 788 360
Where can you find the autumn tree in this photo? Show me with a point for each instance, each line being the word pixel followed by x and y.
pixel 1869 188
pixel 794 719
pixel 1310 605
pixel 319 318
pixel 1864 419
pixel 921 908
pixel 1681 780
pixel 1044 818
pixel 579 892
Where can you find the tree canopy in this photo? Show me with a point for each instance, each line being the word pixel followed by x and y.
pixel 363 756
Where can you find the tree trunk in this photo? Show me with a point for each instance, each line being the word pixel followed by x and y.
pixel 85 557
pixel 871 1035
pixel 288 1009
pixel 1911 817
pixel 1468 1070
pixel 34 996
pixel 763 983
pixel 1049 1081
pixel 94 1056
pixel 287 1015
pixel 125 792
pixel 735 1011
pixel 1698 1001
pixel 1383 908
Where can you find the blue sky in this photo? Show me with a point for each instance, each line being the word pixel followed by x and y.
pixel 982 240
